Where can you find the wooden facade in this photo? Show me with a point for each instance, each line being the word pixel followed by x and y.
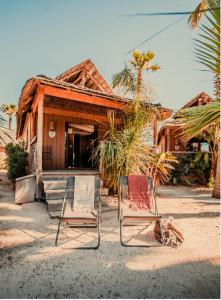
pixel 58 118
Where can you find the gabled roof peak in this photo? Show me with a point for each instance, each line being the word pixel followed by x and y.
pixel 200 99
pixel 87 75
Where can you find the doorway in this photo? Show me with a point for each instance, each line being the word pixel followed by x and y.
pixel 80 141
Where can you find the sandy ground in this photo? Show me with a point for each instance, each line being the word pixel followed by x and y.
pixel 31 267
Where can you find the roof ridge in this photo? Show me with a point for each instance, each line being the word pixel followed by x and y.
pixel 84 62
pixel 195 99
pixel 86 66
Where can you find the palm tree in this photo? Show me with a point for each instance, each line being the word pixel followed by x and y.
pixel 123 152
pixel 207 117
pixel 131 77
pixel 10 110
pixel 208 47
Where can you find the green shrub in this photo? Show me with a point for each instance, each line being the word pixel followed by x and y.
pixel 16 160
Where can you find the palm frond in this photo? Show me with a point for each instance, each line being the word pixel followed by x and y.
pixel 9 109
pixel 200 118
pixel 198 13
pixel 125 79
pixel 208 44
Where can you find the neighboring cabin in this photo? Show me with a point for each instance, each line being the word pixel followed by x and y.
pixel 169 137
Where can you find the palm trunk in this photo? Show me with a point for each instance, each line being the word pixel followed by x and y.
pixel 216 191
pixel 217 86
pixel 10 122
pixel 139 84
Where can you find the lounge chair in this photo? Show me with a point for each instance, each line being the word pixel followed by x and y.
pixel 129 216
pixel 81 205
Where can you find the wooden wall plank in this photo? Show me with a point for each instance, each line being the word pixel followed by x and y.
pixel 58 142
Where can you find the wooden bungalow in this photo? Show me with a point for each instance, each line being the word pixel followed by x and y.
pixel 169 136
pixel 59 118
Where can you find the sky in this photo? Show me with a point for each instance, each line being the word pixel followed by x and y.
pixel 49 36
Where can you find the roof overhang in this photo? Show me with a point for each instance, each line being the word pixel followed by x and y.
pixel 62 90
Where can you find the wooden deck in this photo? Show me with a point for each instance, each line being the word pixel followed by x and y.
pixel 68 172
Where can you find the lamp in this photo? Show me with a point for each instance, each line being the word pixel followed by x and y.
pixel 52 125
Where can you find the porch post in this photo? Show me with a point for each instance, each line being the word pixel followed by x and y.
pixel 168 139
pixel 29 132
pixel 40 133
pixel 155 131
pixel 39 144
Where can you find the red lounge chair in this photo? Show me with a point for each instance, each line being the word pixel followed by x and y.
pixel 132 212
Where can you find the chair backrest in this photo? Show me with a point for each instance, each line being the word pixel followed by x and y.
pixel 124 195
pixel 69 203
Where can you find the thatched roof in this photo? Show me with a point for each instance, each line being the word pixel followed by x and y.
pixel 6 136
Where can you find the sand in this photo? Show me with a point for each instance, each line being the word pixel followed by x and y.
pixel 31 267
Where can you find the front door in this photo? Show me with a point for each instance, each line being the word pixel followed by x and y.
pixel 79 145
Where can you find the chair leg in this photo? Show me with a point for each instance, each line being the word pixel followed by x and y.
pixel 82 248
pixel 121 232
pixel 98 233
pixel 56 240
pixel 126 245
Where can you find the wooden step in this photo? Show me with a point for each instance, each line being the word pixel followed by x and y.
pixel 54 184
pixel 54 214
pixel 54 205
pixel 54 194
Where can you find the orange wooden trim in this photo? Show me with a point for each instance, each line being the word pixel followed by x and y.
pixel 69 113
pixel 81 97
pixel 23 135
pixel 38 95
pixel 155 131
pixel 40 132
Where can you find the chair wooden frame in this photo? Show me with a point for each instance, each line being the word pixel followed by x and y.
pixel 82 222
pixel 122 217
